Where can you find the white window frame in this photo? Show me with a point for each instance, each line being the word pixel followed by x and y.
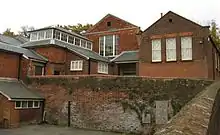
pixel 114 45
pixel 153 49
pixel 185 59
pixel 79 65
pixel 170 48
pixel 21 102
pixel 102 67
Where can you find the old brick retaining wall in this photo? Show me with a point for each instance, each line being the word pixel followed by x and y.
pixel 98 102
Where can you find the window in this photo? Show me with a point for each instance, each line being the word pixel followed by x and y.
pixel 89 45
pixel 171 49
pixel 63 37
pixel 83 43
pixel 39 70
pixel 33 36
pixel 71 40
pixel 109 24
pixel 57 35
pixel 56 72
pixel 156 50
pixel 186 48
pixel 103 67
pixel 30 104
pixel 18 104
pixel 41 35
pixel 108 45
pixel 49 34
pixel 76 65
pixel 36 104
pixel 77 41
pixel 24 104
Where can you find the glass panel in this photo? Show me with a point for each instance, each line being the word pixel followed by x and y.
pixel 77 41
pixel 71 39
pixel 171 49
pixel 83 43
pixel 186 48
pixel 116 44
pixel 30 104
pixel 38 70
pixel 33 36
pixel 156 50
pixel 89 45
pixel 64 37
pixel 24 104
pixel 49 34
pixel 18 104
pixel 101 46
pixel 36 104
pixel 109 45
pixel 41 35
pixel 57 35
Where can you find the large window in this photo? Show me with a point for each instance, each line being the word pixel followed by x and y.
pixel 108 45
pixel 156 50
pixel 77 41
pixel 76 65
pixel 186 48
pixel 27 104
pixel 39 70
pixel 171 49
pixel 103 68
pixel 83 43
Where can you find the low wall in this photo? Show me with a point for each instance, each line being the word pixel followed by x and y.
pixel 122 104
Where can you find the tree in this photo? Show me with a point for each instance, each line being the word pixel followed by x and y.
pixel 77 28
pixel 8 32
pixel 24 30
pixel 215 32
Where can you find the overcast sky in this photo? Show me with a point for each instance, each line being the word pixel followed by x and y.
pixel 42 13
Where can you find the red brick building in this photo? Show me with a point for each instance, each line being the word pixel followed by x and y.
pixel 176 47
pixel 68 53
pixel 112 36
pixel 17 102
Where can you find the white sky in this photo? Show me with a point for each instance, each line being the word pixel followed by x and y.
pixel 42 13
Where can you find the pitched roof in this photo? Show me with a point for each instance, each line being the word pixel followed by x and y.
pixel 9 40
pixel 194 117
pixel 126 56
pixel 108 15
pixel 17 49
pixel 170 12
pixel 76 49
pixel 15 90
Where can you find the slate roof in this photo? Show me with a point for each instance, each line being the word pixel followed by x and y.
pixel 16 49
pixel 10 40
pixel 126 56
pixel 194 117
pixel 89 54
pixel 15 90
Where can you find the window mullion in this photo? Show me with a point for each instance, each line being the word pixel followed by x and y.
pixel 60 35
pixel 104 46
pixel 52 34
pixel 113 45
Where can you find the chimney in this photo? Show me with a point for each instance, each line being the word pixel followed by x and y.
pixel 161 14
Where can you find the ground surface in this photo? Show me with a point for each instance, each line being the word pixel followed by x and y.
pixel 51 130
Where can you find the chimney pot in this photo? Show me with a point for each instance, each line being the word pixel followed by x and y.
pixel 161 14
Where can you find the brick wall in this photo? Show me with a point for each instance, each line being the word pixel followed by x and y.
pixel 9 64
pixel 201 64
pixel 97 101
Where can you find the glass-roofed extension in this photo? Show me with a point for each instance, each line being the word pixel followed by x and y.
pixel 62 35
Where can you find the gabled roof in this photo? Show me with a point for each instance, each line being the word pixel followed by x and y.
pixel 16 90
pixel 17 49
pixel 86 53
pixel 109 15
pixel 126 56
pixel 170 12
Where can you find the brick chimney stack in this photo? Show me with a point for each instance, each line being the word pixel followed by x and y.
pixel 161 14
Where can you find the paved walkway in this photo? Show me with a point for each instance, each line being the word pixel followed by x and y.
pixel 51 130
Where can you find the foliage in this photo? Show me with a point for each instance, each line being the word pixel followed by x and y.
pixel 77 28
pixel 9 33
pixel 215 32
pixel 24 30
